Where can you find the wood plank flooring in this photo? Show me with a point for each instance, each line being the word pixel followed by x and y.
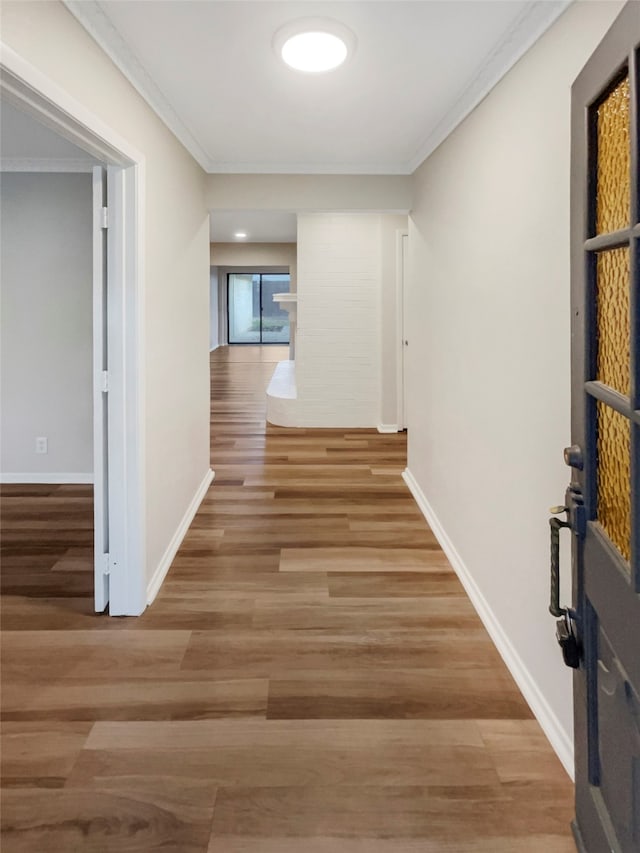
pixel 310 679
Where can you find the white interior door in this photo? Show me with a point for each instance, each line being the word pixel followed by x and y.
pixel 405 342
pixel 100 395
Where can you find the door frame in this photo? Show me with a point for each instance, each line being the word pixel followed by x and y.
pixel 401 279
pixel 100 247
pixel 33 92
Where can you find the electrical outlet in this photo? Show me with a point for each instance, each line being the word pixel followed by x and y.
pixel 42 445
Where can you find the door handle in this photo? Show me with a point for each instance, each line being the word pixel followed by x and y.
pixel 565 626
pixel 556 525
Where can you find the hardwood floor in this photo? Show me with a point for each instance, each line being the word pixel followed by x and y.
pixel 310 679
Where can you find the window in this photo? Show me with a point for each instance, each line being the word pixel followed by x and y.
pixel 254 318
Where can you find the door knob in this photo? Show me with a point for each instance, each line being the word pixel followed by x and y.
pixel 573 457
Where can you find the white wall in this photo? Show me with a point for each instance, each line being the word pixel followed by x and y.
pixel 299 193
pixel 489 354
pixel 258 255
pixel 46 326
pixel 338 333
pixel 176 259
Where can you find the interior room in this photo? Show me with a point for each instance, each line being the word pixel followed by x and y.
pixel 47 355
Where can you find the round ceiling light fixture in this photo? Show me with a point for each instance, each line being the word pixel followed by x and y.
pixel 240 235
pixel 314 45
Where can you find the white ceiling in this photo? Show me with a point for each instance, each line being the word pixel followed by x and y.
pixel 209 69
pixel 260 226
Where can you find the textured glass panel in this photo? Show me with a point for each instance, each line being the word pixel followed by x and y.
pixel 613 167
pixel 612 304
pixel 614 477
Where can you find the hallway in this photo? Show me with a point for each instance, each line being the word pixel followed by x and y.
pixel 310 679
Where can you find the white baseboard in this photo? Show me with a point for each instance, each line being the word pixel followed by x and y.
pixel 160 573
pixel 555 732
pixel 46 478
pixel 387 428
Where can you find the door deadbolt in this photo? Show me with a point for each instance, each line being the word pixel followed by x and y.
pixel 573 457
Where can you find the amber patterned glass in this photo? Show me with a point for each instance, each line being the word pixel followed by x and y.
pixel 614 155
pixel 614 477
pixel 613 320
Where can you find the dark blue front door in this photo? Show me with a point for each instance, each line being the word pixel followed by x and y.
pixel 604 498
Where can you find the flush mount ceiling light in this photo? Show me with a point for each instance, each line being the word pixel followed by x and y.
pixel 240 235
pixel 314 45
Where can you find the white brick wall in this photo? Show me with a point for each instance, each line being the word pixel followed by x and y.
pixel 338 336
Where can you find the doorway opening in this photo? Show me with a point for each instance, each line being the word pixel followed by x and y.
pixel 402 326
pixel 119 530
pixel 252 315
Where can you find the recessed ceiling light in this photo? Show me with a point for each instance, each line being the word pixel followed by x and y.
pixel 314 45
pixel 240 235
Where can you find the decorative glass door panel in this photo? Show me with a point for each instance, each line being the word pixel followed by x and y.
pixel 613 170
pixel 610 342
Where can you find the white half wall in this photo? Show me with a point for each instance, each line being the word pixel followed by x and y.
pixel 338 328
pixel 489 381
pixel 46 326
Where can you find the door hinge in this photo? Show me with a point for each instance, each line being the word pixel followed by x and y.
pixel 105 217
pixel 105 568
pixel 105 381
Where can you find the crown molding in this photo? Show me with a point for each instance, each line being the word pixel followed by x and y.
pixel 45 164
pixel 534 20
pixel 90 15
